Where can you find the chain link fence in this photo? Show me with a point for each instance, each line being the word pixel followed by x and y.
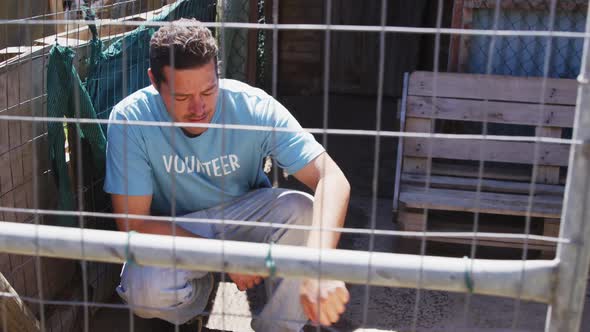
pixel 235 41
pixel 526 55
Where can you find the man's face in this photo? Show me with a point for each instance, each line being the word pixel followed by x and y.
pixel 190 95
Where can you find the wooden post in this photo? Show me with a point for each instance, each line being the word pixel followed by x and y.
pixel 459 44
pixel 550 228
pixel 57 7
pixel 252 44
pixel 268 45
pixel 467 21
pixel 455 39
pixel 15 314
pixel 548 174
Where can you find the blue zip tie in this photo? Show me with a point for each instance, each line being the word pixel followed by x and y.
pixel 467 276
pixel 130 259
pixel 270 263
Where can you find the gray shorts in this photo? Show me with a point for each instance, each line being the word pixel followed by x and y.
pixel 178 295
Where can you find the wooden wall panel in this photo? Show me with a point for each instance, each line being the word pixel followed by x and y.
pixel 300 67
pixel 354 56
pixel 15 35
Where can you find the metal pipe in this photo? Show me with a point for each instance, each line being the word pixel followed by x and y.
pixel 490 277
pixel 568 296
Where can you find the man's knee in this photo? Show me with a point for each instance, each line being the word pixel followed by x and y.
pixel 163 293
pixel 295 208
pixel 297 204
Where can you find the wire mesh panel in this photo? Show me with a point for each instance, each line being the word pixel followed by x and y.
pixel 523 56
pixel 118 103
pixel 520 55
pixel 236 40
pixel 243 57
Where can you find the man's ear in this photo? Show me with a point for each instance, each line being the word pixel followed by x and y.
pixel 152 79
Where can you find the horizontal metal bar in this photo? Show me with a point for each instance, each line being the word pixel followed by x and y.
pixel 352 132
pixel 345 230
pixel 490 277
pixel 309 27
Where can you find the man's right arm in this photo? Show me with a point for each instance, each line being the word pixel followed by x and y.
pixel 140 205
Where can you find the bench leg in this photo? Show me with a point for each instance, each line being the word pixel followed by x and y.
pixel 550 228
pixel 412 220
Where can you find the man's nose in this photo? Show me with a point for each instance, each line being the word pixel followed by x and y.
pixel 196 105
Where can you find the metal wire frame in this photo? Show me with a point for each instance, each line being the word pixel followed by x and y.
pixel 353 132
pixel 318 27
pixel 571 255
pixel 565 311
pixel 343 230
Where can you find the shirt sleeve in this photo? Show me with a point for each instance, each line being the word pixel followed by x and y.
pixel 128 171
pixel 292 148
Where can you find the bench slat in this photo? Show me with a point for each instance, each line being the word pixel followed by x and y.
pixel 520 173
pixel 494 87
pixel 497 112
pixel 446 168
pixel 413 222
pixel 460 183
pixel 458 200
pixel 498 151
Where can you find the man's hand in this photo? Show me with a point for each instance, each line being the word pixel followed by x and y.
pixel 244 281
pixel 323 301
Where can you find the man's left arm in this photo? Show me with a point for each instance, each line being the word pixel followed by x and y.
pixel 324 300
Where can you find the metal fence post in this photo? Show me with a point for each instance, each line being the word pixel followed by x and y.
pixel 565 311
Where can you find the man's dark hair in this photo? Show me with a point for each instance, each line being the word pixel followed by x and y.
pixel 191 45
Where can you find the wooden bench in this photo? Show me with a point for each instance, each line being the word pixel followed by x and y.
pixel 512 106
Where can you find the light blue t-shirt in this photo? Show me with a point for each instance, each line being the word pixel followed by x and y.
pixel 204 171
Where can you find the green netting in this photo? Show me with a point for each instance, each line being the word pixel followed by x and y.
pixel 234 41
pixel 66 97
pixel 113 74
